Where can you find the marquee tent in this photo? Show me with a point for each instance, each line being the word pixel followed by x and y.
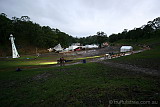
pixel 58 48
pixel 126 48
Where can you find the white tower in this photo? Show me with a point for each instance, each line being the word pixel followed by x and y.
pixel 14 50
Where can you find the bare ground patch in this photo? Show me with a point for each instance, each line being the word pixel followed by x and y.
pixel 131 68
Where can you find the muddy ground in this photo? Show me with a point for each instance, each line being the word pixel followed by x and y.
pixel 96 52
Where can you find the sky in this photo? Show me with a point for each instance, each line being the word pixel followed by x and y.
pixel 82 18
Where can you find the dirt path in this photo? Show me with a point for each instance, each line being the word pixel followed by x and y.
pixel 122 66
pixel 131 68
pixel 111 64
pixel 108 63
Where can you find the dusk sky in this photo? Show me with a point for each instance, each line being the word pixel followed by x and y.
pixel 83 18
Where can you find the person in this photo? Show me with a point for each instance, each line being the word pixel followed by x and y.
pixel 62 61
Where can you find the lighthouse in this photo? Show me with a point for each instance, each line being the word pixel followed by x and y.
pixel 14 50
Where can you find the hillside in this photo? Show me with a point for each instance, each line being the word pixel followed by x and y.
pixel 32 38
pixel 29 36
pixel 89 84
pixel 148 31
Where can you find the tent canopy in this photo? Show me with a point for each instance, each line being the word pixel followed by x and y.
pixel 58 47
pixel 91 46
pixel 73 47
pixel 126 48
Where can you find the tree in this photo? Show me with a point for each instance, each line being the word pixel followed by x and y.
pixel 25 18
pixel 101 38
pixel 3 14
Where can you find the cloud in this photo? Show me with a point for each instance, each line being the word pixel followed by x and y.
pixel 85 17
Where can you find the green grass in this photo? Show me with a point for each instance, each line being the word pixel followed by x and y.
pixel 90 84
pixel 18 63
pixel 146 59
pixel 30 61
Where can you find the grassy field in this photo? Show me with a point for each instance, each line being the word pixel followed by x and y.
pixel 33 61
pixel 89 84
pixel 147 59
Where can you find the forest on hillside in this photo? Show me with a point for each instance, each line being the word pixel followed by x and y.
pixel 150 30
pixel 30 36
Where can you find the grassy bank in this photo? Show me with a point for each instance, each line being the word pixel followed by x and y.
pixel 147 59
pixel 88 84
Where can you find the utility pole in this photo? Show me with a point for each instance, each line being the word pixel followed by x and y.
pixel 14 50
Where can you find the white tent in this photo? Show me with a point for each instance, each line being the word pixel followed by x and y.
pixel 58 47
pixel 71 48
pixel 126 48
pixel 91 46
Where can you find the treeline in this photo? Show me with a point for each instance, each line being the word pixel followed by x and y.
pixel 98 39
pixel 151 30
pixel 31 35
pixel 28 33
